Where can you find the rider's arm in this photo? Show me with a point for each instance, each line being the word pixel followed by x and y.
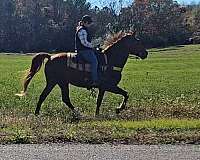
pixel 82 34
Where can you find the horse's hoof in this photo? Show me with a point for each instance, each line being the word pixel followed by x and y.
pixel 118 110
pixel 73 117
pixel 76 114
pixel 74 120
pixel 37 113
pixel 97 116
pixel 21 94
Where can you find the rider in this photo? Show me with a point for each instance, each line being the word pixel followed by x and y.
pixel 84 46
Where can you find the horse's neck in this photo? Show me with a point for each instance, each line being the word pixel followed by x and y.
pixel 117 57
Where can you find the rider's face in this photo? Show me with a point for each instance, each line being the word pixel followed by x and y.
pixel 86 24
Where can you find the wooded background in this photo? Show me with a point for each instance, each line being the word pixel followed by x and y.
pixel 50 25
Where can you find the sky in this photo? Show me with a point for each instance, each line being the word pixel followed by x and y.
pixel 104 2
pixel 188 1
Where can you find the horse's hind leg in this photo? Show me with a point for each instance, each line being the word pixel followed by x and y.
pixel 45 93
pixel 65 98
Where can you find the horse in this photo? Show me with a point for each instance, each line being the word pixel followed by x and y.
pixel 57 72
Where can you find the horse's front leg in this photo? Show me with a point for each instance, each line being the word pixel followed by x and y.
pixel 117 90
pixel 99 101
pixel 123 104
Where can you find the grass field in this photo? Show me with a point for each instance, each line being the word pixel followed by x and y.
pixel 164 104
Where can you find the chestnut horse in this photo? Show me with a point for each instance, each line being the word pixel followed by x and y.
pixel 57 72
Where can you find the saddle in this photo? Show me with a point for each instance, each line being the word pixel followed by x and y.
pixel 75 61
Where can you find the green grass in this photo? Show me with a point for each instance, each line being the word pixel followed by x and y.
pixel 43 130
pixel 164 103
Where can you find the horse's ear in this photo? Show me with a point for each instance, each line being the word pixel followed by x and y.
pixel 132 32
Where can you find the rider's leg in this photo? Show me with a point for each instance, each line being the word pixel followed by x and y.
pixel 90 57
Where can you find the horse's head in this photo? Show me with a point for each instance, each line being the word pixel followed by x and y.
pixel 134 46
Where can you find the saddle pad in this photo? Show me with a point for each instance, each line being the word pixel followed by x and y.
pixel 73 62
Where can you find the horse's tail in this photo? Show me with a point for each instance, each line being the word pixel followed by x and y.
pixel 37 62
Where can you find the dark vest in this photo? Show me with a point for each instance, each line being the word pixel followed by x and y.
pixel 78 44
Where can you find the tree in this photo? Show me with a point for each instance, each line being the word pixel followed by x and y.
pixel 196 34
pixel 160 22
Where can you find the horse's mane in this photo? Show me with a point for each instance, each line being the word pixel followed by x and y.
pixel 113 39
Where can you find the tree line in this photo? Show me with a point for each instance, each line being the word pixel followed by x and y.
pixel 50 25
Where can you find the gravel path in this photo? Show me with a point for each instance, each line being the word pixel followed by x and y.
pixel 98 152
